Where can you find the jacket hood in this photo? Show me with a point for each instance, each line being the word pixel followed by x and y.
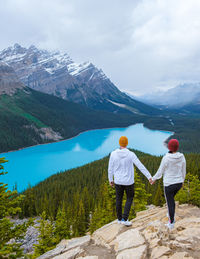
pixel 122 153
pixel 175 156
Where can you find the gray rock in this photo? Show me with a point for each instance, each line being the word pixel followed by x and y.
pixel 71 254
pixel 67 245
pixel 79 241
pixel 133 253
pixel 9 81
pixel 52 253
pixel 130 238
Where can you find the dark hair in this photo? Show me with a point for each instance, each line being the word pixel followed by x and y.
pixel 170 152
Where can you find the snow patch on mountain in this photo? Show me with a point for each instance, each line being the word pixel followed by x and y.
pixel 127 107
pixel 75 68
pixel 51 61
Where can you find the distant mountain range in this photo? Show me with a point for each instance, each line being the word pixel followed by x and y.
pixel 55 73
pixel 184 97
pixel 46 97
pixel 29 117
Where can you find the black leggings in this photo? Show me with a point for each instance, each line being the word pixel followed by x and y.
pixel 129 189
pixel 170 192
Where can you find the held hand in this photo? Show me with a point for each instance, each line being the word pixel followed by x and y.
pixel 151 181
pixel 112 184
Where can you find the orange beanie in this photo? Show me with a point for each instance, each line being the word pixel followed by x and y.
pixel 123 141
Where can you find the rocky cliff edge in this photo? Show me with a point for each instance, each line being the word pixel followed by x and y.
pixel 148 237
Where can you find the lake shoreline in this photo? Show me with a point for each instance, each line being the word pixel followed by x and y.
pixel 47 143
pixel 35 164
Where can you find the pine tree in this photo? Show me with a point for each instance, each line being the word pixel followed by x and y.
pixel 62 225
pixel 79 225
pixel 9 206
pixel 47 240
pixel 87 206
pixel 159 199
pixel 140 197
pixel 105 210
pixel 28 204
pixel 190 193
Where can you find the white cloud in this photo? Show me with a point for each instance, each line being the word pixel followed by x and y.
pixel 139 44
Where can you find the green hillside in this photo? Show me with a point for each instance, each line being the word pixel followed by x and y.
pixel 186 129
pixel 25 113
pixel 88 200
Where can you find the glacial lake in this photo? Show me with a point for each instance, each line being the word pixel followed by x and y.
pixel 34 164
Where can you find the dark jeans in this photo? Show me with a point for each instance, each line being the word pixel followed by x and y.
pixel 170 192
pixel 129 189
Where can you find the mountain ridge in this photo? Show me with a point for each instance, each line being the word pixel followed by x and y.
pixel 174 98
pixel 55 73
pixel 29 117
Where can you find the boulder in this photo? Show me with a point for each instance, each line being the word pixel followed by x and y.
pixel 129 239
pixel 133 253
pixel 107 233
pixel 157 252
pixel 66 245
pixel 71 254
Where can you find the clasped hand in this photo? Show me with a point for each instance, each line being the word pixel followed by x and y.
pixel 151 181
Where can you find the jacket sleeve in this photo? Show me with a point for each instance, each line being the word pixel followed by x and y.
pixel 184 168
pixel 110 168
pixel 160 171
pixel 141 167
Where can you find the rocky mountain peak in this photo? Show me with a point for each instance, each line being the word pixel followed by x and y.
pixel 9 82
pixel 54 72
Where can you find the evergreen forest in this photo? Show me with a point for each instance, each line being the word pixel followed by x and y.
pixel 24 114
pixel 80 200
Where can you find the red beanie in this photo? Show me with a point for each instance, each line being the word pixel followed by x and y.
pixel 173 145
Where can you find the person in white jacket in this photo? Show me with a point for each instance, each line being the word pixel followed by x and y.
pixel 122 170
pixel 173 170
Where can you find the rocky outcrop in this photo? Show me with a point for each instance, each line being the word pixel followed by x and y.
pixel 148 237
pixel 9 82
pixel 47 134
pixel 31 236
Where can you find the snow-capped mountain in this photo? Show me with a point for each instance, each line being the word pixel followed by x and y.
pixel 177 97
pixel 55 73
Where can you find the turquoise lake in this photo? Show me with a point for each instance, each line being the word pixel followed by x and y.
pixel 34 164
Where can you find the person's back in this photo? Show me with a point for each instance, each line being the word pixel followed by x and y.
pixel 121 175
pixel 174 168
pixel 123 166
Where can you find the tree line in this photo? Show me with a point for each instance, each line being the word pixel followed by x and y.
pixel 76 201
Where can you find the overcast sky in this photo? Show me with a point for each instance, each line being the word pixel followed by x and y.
pixel 142 45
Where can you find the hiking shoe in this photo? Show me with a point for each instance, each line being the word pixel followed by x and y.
pixel 170 225
pixel 126 222
pixel 119 221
